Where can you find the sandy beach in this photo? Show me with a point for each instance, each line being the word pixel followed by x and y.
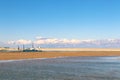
pixel 52 54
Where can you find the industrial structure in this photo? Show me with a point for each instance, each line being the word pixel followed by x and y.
pixel 33 49
pixel 20 49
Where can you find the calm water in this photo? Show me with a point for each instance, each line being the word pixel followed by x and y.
pixel 72 68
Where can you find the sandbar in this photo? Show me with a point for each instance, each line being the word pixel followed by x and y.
pixel 52 54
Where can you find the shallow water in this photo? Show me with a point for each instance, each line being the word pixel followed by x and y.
pixel 69 68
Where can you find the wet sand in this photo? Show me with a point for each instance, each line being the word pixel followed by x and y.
pixel 52 54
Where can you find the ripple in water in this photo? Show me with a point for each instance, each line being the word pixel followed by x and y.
pixel 69 68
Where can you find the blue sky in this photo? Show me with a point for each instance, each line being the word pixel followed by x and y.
pixel 71 19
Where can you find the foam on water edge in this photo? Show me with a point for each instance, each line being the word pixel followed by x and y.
pixel 2 61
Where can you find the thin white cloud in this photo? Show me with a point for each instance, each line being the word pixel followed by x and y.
pixel 68 42
pixel 21 41
pixel 11 42
pixel 55 41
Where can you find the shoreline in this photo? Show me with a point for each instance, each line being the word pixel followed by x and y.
pixel 80 49
pixel 54 54
pixel 27 59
